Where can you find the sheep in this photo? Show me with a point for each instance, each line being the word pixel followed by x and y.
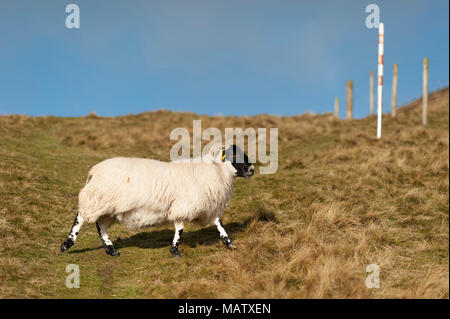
pixel 139 192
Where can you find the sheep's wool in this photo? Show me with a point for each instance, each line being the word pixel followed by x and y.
pixel 139 192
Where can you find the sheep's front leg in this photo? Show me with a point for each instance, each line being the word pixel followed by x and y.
pixel 176 239
pixel 103 224
pixel 70 240
pixel 223 234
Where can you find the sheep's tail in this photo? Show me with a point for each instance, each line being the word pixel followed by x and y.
pixel 91 204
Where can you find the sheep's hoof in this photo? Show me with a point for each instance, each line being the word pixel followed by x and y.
pixel 174 251
pixel 110 250
pixel 228 242
pixel 66 244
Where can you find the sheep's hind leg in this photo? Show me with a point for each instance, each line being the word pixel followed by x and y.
pixel 223 234
pixel 103 224
pixel 70 240
pixel 176 239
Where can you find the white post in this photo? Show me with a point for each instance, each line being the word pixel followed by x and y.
pixel 425 92
pixel 380 77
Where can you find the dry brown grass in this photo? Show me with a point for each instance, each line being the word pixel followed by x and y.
pixel 340 200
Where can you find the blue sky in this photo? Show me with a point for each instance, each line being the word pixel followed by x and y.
pixel 212 57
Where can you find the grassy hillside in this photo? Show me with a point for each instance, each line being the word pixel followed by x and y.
pixel 340 200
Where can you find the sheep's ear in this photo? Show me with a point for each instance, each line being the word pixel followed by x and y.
pixel 218 153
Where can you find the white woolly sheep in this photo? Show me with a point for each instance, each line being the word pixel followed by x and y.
pixel 138 192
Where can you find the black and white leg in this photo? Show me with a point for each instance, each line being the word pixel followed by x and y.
pixel 223 234
pixel 70 240
pixel 102 226
pixel 176 239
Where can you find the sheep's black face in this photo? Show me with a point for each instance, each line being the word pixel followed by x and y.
pixel 240 161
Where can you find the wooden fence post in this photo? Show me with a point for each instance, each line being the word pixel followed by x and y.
pixel 336 107
pixel 394 90
pixel 425 91
pixel 371 92
pixel 349 97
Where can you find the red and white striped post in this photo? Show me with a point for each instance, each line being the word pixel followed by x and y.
pixel 380 77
